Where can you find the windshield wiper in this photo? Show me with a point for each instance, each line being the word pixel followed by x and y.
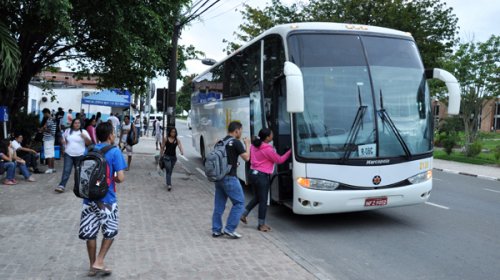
pixel 356 125
pixel 387 119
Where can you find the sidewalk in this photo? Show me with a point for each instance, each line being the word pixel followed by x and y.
pixel 480 171
pixel 163 235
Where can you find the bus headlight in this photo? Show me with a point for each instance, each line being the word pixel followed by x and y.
pixel 421 177
pixel 317 184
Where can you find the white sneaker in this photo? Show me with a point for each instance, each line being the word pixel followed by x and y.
pixel 233 235
pixel 49 171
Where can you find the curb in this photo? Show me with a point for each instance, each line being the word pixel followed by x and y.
pixel 468 174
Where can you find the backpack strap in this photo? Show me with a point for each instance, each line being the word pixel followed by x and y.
pixel 105 149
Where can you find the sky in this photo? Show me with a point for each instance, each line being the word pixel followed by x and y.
pixel 476 19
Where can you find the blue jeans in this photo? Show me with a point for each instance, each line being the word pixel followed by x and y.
pixel 24 170
pixel 69 162
pixel 228 187
pixel 260 183
pixel 169 171
pixel 10 168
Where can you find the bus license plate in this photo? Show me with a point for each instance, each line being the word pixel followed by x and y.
pixel 376 201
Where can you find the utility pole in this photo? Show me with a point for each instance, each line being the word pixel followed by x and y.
pixel 171 99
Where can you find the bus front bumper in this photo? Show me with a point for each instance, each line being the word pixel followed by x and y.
pixel 311 202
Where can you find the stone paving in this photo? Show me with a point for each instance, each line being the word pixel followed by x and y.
pixel 163 235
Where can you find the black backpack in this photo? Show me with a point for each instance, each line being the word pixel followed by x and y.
pixel 92 174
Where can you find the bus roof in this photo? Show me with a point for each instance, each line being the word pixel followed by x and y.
pixel 284 29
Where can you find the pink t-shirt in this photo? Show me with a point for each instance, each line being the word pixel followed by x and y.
pixel 264 157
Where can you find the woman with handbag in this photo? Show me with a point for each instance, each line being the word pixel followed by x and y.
pixel 74 140
pixel 169 157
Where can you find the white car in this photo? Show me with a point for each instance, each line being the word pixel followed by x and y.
pixel 189 120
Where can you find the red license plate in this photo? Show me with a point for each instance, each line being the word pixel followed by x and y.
pixel 376 201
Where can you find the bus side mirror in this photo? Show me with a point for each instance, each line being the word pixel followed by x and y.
pixel 294 88
pixel 452 86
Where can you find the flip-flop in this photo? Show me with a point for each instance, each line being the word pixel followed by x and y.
pixel 103 271
pixel 92 272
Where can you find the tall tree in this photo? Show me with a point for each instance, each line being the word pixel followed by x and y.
pixel 124 42
pixel 477 68
pixel 184 93
pixel 431 23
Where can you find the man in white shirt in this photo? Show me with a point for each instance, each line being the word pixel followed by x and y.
pixel 30 156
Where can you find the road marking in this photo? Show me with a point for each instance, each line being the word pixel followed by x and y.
pixel 437 205
pixel 492 190
pixel 437 179
pixel 201 171
pixel 190 136
pixel 184 157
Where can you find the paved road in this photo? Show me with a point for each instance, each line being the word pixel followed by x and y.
pixel 454 236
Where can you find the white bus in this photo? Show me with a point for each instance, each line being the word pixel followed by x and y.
pixel 351 101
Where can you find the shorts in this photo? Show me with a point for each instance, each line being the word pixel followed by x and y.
pixel 97 215
pixel 48 148
pixel 127 147
pixel 158 136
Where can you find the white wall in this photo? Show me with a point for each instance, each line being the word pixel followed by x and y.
pixel 66 99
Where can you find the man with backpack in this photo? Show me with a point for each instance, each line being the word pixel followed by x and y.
pixel 229 186
pixel 103 213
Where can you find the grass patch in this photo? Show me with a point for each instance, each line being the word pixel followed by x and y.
pixel 481 159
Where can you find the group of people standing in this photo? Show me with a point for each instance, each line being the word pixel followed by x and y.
pixel 262 157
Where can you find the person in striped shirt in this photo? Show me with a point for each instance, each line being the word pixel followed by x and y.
pixel 49 133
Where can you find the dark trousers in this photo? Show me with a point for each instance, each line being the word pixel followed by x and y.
pixel 261 184
pixel 31 159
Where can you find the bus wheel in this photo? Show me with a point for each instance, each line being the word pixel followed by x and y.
pixel 202 150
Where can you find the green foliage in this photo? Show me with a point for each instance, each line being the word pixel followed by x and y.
pixel 9 58
pixel 449 141
pixel 184 94
pixel 482 159
pixel 431 23
pixel 477 68
pixel 474 149
pixel 124 42
pixel 25 124
pixel 497 153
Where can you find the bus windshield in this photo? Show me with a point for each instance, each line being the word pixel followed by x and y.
pixel 353 84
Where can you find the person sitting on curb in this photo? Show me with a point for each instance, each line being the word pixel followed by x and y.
pixel 21 164
pixel 30 156
pixel 6 164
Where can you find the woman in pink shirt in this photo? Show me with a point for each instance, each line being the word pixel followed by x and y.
pixel 91 129
pixel 262 160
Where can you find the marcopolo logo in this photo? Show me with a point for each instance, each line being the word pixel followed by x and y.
pixel 378 161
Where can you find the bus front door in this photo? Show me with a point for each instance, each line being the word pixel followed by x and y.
pixel 281 184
